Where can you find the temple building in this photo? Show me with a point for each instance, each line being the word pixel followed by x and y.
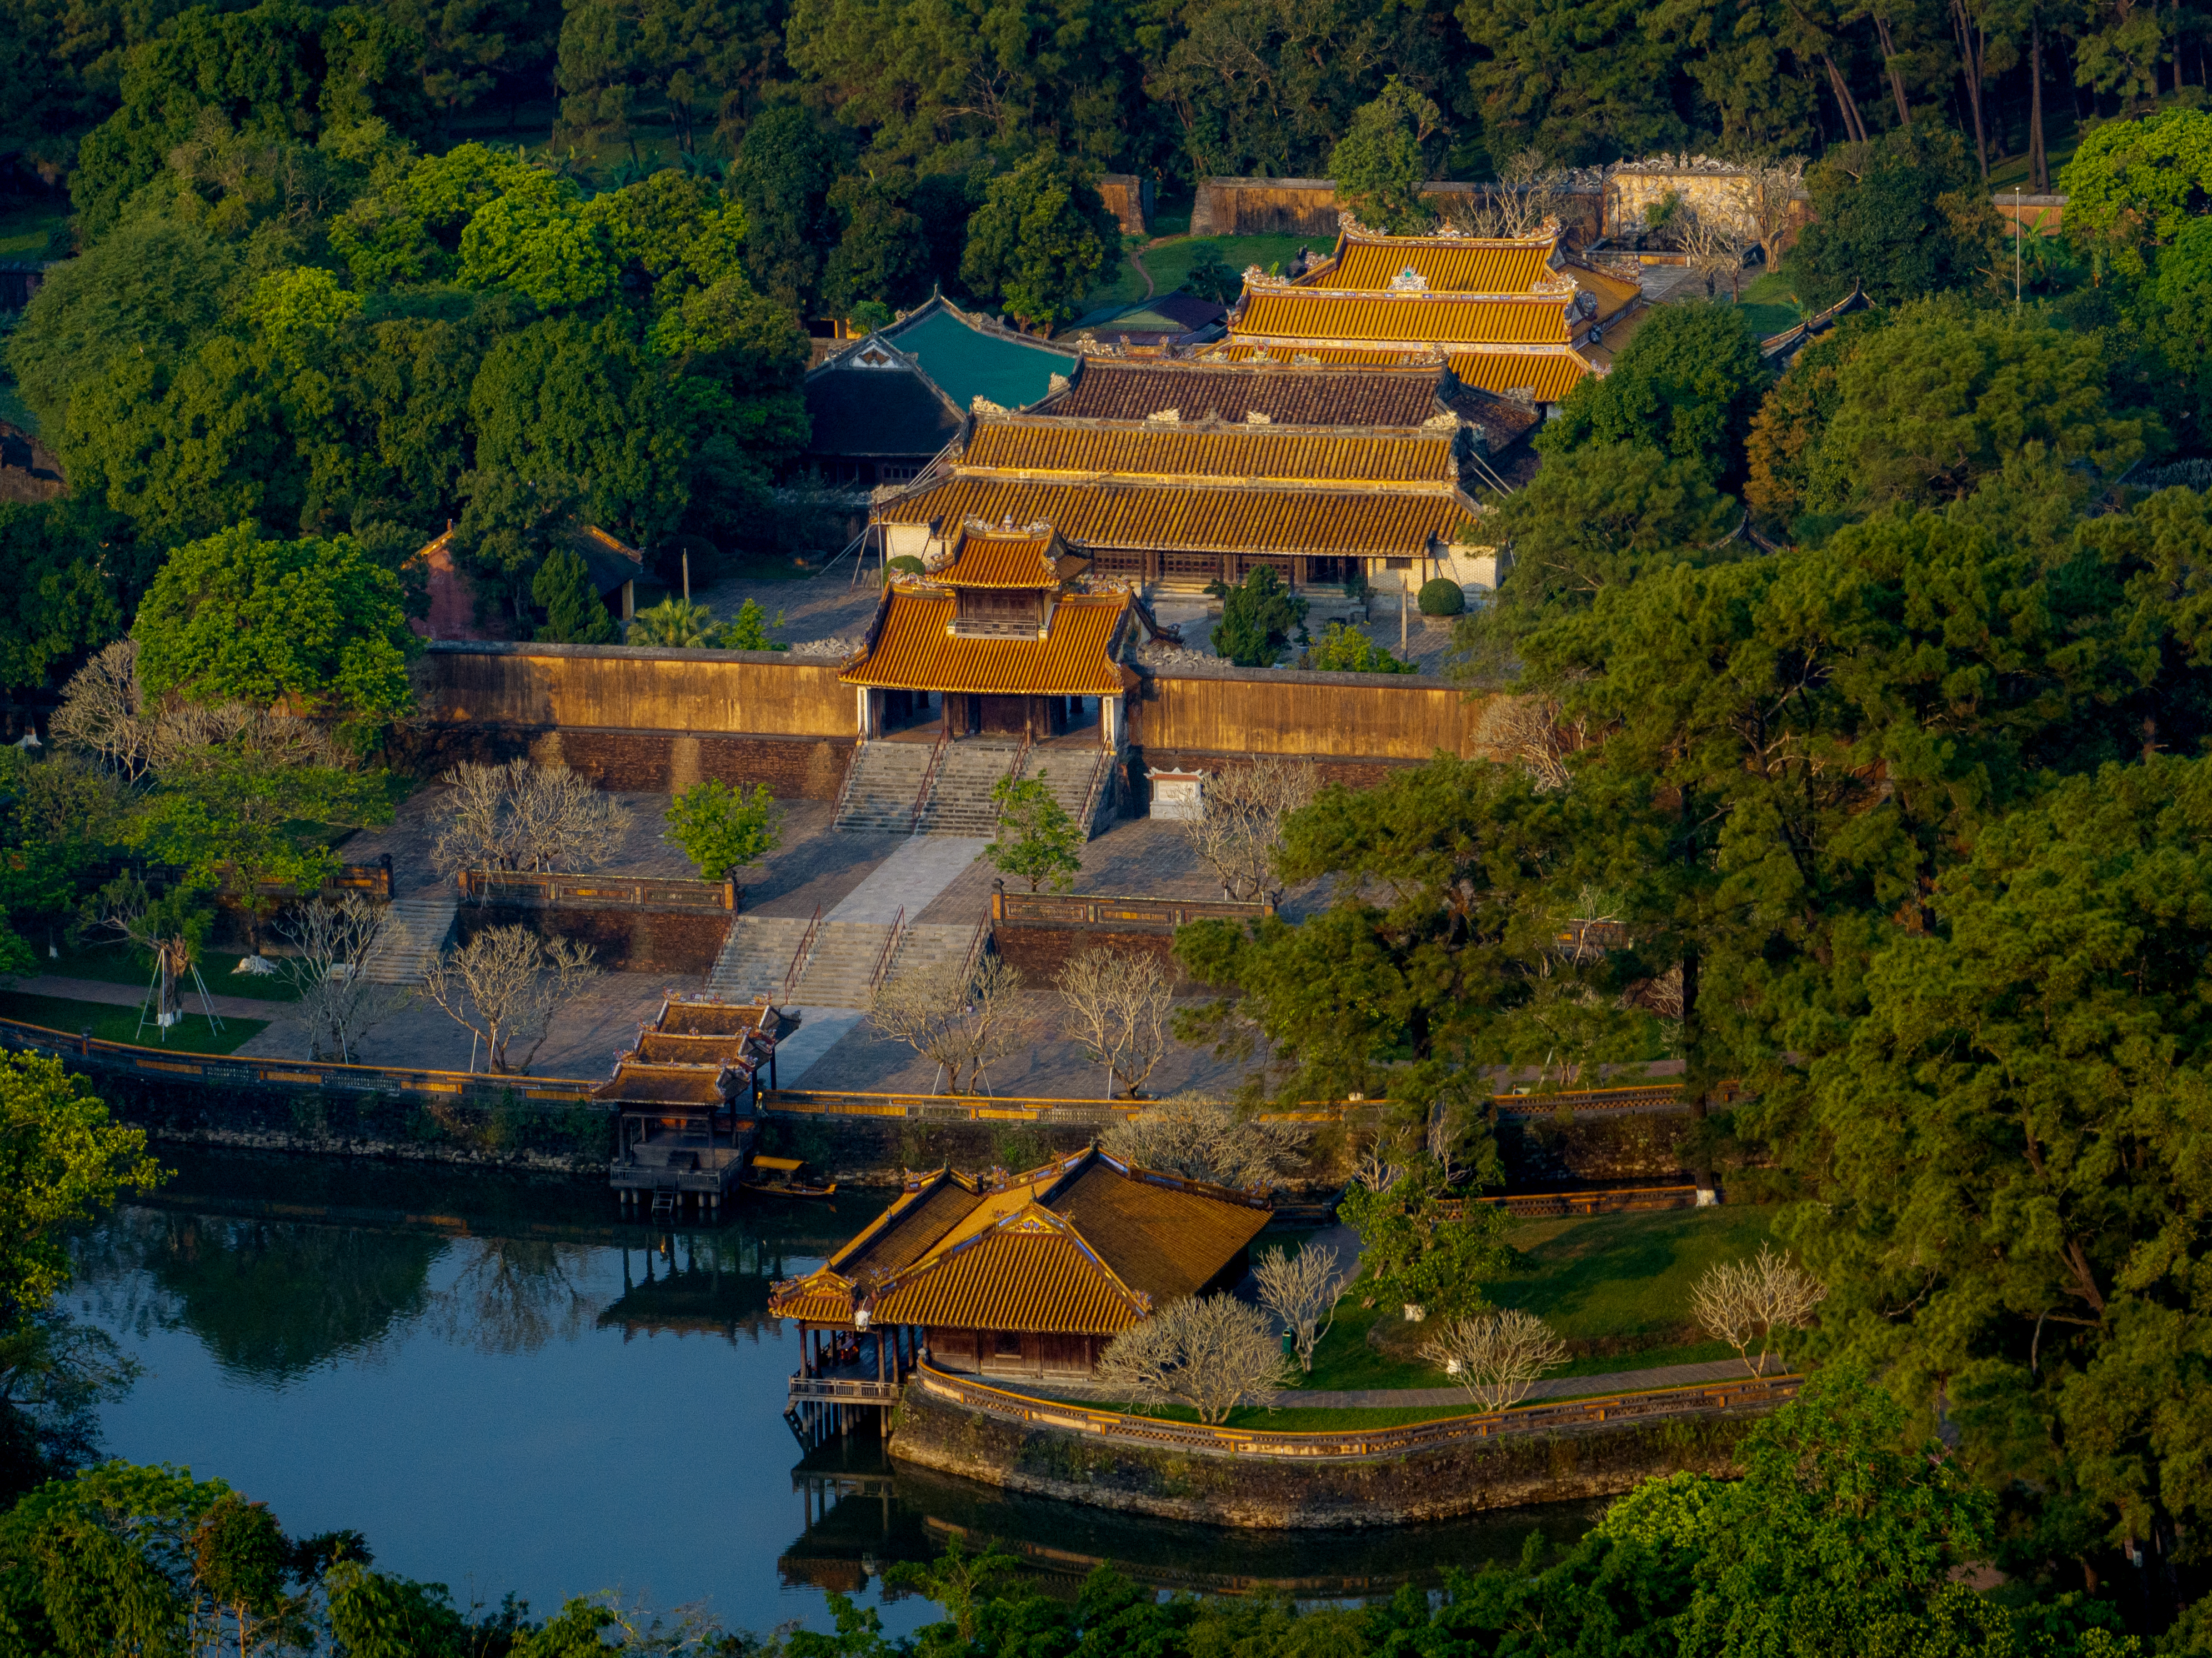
pixel 1183 497
pixel 686 1099
pixel 882 408
pixel 1029 1274
pixel 1000 634
pixel 1507 314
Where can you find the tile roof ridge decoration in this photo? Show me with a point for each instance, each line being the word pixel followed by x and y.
pixel 1031 1219
pixel 1349 229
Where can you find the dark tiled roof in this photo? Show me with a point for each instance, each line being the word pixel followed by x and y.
pixel 1113 390
pixel 893 410
pixel 1167 1240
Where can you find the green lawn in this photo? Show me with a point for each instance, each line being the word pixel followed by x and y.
pixel 1302 1420
pixel 121 964
pixel 1619 1280
pixel 1170 262
pixel 25 231
pixel 120 1024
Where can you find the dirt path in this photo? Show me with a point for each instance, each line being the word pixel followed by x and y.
pixel 1137 261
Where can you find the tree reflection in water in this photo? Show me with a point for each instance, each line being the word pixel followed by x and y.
pixel 269 1299
pixel 513 1296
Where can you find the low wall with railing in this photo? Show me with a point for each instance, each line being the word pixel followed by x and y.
pixel 304 1105
pixel 1382 1476
pixel 1040 932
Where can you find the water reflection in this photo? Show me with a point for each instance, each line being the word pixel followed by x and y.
pixel 475 1372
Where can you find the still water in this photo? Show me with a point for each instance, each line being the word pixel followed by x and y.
pixel 507 1389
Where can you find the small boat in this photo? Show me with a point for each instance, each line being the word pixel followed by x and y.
pixel 784 1177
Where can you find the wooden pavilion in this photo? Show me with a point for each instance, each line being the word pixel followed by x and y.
pixel 1021 1275
pixel 686 1099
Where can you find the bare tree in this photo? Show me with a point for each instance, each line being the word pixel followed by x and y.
pixel 1204 1140
pixel 1741 1301
pixel 1117 1004
pixel 1239 827
pixel 339 1002
pixel 1379 1167
pixel 522 816
pixel 101 712
pixel 1496 1357
pixel 167 928
pixel 506 985
pixel 1526 729
pixel 1714 234
pixel 1212 1353
pixel 1769 196
pixel 1303 1290
pixel 960 1019
pixel 1529 192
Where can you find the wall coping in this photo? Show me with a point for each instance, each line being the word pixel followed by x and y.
pixel 625 652
pixel 1422 682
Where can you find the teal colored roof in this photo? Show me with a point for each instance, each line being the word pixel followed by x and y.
pixel 969 362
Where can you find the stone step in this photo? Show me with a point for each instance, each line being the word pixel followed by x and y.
pixel 755 957
pixel 886 777
pixel 414 934
pixel 839 968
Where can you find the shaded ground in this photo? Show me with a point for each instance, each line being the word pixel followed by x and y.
pixel 1427 640
pixel 827 606
pixel 585 1038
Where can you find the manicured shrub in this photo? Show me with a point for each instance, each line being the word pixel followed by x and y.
pixel 907 564
pixel 1442 597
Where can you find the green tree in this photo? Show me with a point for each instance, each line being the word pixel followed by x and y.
pixel 1343 649
pixel 1902 217
pixel 782 177
pixel 313 624
pixel 1257 618
pixel 883 253
pixel 1584 84
pixel 2133 185
pixel 153 288
pixel 1039 240
pixel 721 829
pixel 536 238
pixel 1689 381
pixel 1382 162
pixel 247 813
pixel 674 624
pixel 65 1162
pixel 1411 1253
pixel 1036 841
pixel 59 598
pixel 751 630
pixel 573 612
pixel 1928 406
pixel 61 822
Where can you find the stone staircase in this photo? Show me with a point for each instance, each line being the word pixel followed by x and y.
pixel 845 954
pixel 414 931
pixel 960 802
pixel 921 948
pixel 756 957
pixel 886 777
pixel 1067 774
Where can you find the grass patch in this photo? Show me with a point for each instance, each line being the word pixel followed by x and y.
pixel 112 1024
pixel 26 232
pixel 1171 263
pixel 120 964
pixel 1619 1280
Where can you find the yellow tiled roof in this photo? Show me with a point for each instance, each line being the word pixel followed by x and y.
pixel 1280 520
pixel 1220 453
pixel 915 650
pixel 993 558
pixel 1030 1274
pixel 1168 1240
pixel 917 1221
pixel 1459 266
pixel 1347 318
pixel 1550 374
pixel 823 1297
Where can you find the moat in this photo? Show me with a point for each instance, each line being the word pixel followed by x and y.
pixel 507 1389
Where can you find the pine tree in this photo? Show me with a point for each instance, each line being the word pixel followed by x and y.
pixel 574 614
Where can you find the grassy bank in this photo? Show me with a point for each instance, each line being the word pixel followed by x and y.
pixel 1618 1286
pixel 112 1024
pixel 121 964
pixel 1171 262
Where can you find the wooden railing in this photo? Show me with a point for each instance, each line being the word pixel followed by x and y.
pixel 1072 909
pixel 371 880
pixel 1641 1097
pixel 986 1108
pixel 1698 1400
pixel 230 1071
pixel 848 1389
pixel 636 892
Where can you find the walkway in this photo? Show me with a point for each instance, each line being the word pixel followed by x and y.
pixel 115 995
pixel 1564 1387
pixel 921 867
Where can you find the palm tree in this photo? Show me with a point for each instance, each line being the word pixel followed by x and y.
pixel 681 625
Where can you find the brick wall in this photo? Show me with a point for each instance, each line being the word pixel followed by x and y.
pixel 1137 796
pixel 647 761
pixel 1041 952
pixel 679 942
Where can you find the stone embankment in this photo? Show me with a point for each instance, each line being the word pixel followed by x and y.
pixel 1390 1477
